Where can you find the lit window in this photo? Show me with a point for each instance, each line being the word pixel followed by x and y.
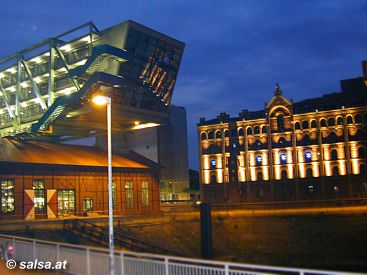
pixel 283 158
pixel 213 163
pixel 129 194
pixel 7 196
pixel 308 156
pixel 39 196
pixel 259 160
pixel 145 193
pixel 87 204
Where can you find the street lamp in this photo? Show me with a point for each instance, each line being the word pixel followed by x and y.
pixel 104 100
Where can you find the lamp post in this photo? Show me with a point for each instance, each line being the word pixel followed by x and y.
pixel 104 100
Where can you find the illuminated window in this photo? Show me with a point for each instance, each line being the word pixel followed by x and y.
pixel 308 156
pixel 39 196
pixel 283 158
pixel 66 201
pixel 145 194
pixel 87 204
pixel 213 164
pixel 259 160
pixel 129 194
pixel 7 196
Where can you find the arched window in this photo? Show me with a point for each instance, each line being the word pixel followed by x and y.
pixel 331 121
pixel 306 140
pixel 339 121
pixel 305 124
pixel 283 158
pixel 308 156
pixel 309 173
pixel 280 123
pixel 218 134
pixel 259 176
pixel 264 129
pixel 210 135
pixel 297 125
pixel 284 175
pixel 226 133
pixel 313 124
pixel 323 122
pixel 361 152
pixel 203 136
pixel 233 133
pixel 335 171
pixel 334 154
pixel 249 131
pixel 282 140
pixel 358 118
pixel 257 130
pixel 349 120
pixel 259 160
pixel 241 132
pixel 213 179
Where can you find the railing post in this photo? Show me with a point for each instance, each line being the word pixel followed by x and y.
pixel 226 269
pixel 122 263
pixel 166 265
pixel 88 260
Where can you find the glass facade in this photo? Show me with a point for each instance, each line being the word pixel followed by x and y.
pixel 39 196
pixel 129 194
pixel 151 71
pixel 66 201
pixel 7 196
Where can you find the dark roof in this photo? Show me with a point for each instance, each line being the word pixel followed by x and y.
pixel 36 152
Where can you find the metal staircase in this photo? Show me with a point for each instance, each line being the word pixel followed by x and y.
pixel 99 234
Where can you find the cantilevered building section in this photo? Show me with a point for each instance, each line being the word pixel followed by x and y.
pixel 45 89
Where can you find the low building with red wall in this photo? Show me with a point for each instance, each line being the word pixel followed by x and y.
pixel 50 180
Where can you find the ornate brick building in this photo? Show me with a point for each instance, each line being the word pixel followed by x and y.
pixel 314 139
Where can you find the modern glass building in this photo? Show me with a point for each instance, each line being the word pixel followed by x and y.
pixel 45 88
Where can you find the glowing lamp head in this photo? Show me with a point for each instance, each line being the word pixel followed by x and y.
pixel 101 100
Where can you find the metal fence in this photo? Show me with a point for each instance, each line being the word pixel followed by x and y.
pixel 93 260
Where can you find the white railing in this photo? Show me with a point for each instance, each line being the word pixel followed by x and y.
pixel 93 260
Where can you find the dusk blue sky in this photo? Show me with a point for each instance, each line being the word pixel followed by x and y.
pixel 235 50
